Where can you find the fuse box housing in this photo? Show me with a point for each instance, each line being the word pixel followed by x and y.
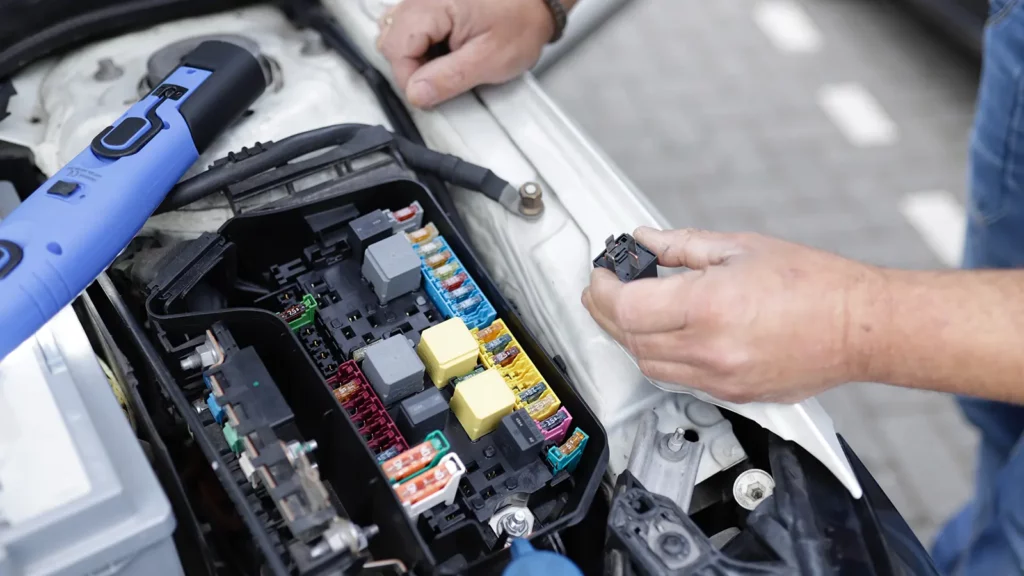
pixel 322 367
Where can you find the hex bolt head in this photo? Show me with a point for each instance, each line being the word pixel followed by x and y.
pixel 531 201
pixel 489 452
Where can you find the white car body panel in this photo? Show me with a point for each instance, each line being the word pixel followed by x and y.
pixel 514 129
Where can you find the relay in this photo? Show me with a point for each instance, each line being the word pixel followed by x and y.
pixel 627 259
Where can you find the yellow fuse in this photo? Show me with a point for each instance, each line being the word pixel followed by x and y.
pixel 489 333
pixel 428 232
pixel 448 350
pixel 543 408
pixel 481 402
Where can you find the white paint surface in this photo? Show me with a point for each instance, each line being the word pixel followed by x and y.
pixel 860 117
pixel 788 26
pixel 939 218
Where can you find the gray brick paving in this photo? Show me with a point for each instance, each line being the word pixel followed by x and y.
pixel 723 131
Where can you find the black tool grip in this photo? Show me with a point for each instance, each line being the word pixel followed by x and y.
pixel 236 81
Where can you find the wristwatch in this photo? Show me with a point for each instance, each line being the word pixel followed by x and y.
pixel 559 15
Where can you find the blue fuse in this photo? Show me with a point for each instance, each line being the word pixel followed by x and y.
pixel 468 304
pixel 215 409
pixel 567 456
pixel 388 454
pixel 498 344
pixel 533 392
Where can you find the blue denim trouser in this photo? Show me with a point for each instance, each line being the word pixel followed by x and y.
pixel 987 536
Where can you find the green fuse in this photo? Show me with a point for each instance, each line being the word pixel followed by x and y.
pixel 299 315
pixel 233 439
pixel 475 371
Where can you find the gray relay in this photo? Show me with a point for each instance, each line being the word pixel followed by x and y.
pixel 392 268
pixel 393 369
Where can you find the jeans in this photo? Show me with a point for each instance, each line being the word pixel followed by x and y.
pixel 987 536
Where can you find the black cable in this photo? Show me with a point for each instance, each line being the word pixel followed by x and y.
pixel 311 13
pixel 102 22
pixel 444 166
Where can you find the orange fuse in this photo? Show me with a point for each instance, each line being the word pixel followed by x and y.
pixel 424 485
pixel 416 458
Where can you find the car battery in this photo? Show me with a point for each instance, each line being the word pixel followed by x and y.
pixel 77 495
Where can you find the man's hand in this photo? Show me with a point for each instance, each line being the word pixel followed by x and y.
pixel 755 319
pixel 491 41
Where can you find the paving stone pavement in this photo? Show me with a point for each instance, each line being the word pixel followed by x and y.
pixel 724 131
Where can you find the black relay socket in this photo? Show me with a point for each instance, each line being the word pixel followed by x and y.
pixel 627 258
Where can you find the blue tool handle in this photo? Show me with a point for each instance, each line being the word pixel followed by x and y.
pixel 74 225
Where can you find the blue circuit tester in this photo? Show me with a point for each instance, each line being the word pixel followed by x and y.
pixel 74 225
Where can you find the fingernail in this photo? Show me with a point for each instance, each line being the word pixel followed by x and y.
pixel 421 94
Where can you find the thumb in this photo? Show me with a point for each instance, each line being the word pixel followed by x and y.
pixel 448 76
pixel 695 249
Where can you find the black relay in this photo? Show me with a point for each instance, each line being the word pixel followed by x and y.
pixel 519 438
pixel 627 258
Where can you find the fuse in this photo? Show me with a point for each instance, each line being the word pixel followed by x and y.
pixel 446 271
pixel 343 393
pixel 388 454
pixel 417 458
pixel 498 344
pixel 506 357
pixel 553 422
pixel 532 393
pixel 422 486
pixel 292 312
pixel 455 281
pixel 460 293
pixel 429 248
pixel 468 304
pixel 438 259
pixel 405 213
pixel 489 333
pixel 572 443
pixel 475 371
pixel 428 232
pixel 541 408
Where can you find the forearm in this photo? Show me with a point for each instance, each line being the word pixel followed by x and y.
pixel 960 332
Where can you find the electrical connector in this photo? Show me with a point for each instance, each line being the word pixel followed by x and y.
pixel 416 460
pixel 437 485
pixel 627 259
pixel 567 456
pixel 481 402
pixel 448 284
pixel 448 350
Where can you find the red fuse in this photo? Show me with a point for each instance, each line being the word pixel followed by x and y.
pixel 405 213
pixel 454 282
pixel 506 357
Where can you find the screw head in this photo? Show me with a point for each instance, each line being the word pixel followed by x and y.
pixel 489 452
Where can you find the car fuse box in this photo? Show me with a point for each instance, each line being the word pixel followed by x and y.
pixel 398 395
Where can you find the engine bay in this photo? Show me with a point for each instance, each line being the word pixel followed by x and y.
pixel 334 373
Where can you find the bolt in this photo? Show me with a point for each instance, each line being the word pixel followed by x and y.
pixel 489 452
pixel 511 483
pixel 531 201
pixel 515 524
pixel 421 301
pixel 756 492
pixel 675 443
pixel 477 503
pixel 107 70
